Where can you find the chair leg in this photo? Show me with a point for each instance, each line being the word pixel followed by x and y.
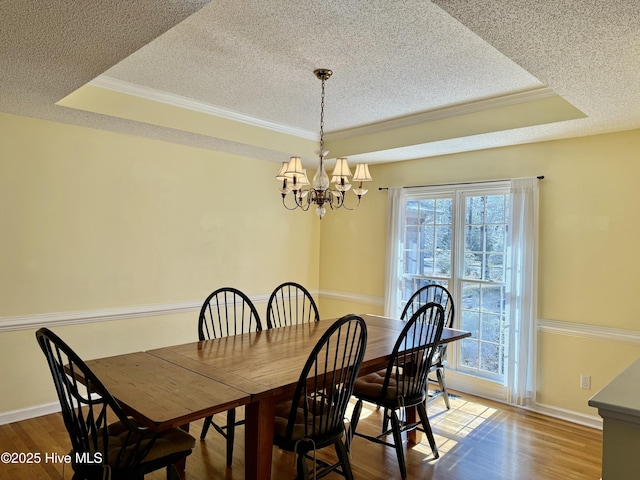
pixel 355 417
pixel 397 440
pixel 172 473
pixel 205 427
pixel 302 467
pixel 443 386
pixel 343 458
pixel 231 428
pixel 422 411
pixel 385 420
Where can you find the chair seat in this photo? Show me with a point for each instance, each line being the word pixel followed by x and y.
pixel 369 387
pixel 167 443
pixel 300 429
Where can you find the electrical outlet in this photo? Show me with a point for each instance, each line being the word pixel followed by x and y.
pixel 585 382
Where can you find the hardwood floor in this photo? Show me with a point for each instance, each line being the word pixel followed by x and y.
pixel 478 440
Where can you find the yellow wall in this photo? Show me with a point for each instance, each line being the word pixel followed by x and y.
pixel 95 221
pixel 589 262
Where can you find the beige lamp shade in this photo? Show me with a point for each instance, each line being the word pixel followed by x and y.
pixel 362 173
pixel 342 168
pixel 283 169
pixel 303 179
pixel 294 168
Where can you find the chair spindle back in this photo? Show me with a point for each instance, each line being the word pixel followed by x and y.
pixel 291 304
pixel 225 312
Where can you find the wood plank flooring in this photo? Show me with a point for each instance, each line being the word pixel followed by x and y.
pixel 478 439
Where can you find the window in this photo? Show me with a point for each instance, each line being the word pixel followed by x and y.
pixel 441 227
pixel 427 244
pixel 463 237
pixel 482 283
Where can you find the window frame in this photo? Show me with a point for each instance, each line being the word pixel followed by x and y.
pixel 458 194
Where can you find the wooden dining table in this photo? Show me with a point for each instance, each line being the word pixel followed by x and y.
pixel 172 386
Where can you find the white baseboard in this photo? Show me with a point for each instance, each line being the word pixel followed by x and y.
pixel 568 415
pixel 27 413
pixel 494 391
pixel 551 411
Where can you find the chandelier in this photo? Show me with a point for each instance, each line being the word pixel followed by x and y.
pixel 294 177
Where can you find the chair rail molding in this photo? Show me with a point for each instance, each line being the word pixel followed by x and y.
pixel 25 322
pixel 596 332
pixel 352 297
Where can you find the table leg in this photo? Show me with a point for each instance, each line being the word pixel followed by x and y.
pixel 181 466
pixel 413 436
pixel 258 439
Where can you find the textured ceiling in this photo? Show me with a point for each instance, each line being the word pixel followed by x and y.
pixel 411 79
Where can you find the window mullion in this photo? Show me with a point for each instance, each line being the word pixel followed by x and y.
pixel 457 258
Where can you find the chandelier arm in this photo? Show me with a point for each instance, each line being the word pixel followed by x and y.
pixel 284 203
pixel 343 204
pixel 334 202
pixel 305 207
pixel 302 204
pixel 319 192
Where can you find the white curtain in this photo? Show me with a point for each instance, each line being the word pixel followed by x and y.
pixel 393 270
pixel 521 368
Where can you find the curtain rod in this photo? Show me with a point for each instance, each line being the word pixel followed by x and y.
pixel 539 177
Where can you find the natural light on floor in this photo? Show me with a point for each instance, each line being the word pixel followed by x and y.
pixel 448 425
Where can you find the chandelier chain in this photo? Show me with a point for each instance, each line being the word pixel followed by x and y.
pixel 294 177
pixel 322 120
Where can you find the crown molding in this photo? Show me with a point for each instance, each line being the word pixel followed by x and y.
pixel 148 93
pixel 445 112
pixel 179 101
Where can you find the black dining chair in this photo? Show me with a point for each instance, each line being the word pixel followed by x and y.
pixel 440 295
pixel 403 383
pixel 225 312
pixel 291 304
pixel 314 418
pixel 106 443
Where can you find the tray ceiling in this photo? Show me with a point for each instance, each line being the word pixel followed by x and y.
pixel 411 79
